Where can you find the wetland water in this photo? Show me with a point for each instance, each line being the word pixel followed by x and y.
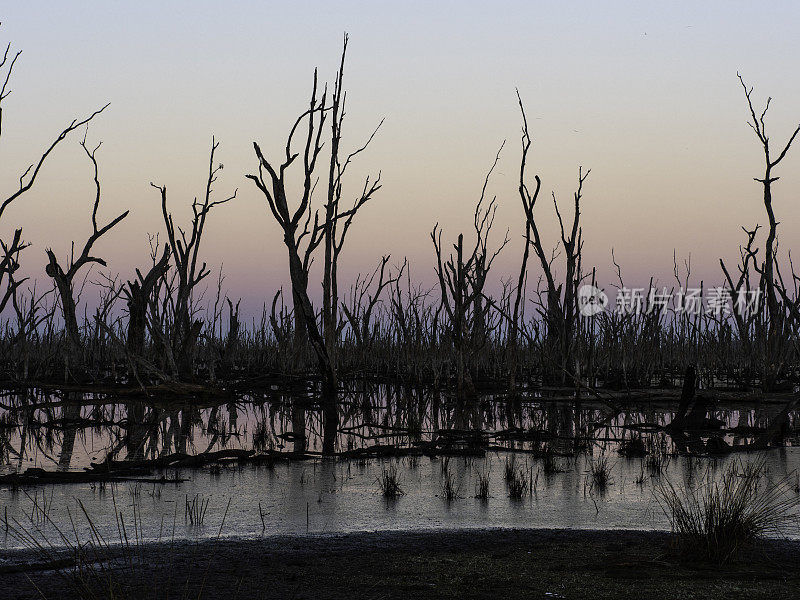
pixel 551 444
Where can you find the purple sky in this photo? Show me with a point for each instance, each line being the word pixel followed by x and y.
pixel 645 97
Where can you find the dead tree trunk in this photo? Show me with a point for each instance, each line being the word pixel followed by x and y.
pixel 138 294
pixel 9 260
pixel 560 311
pixel 333 234
pixel 527 198
pixel 274 191
pixel 232 339
pixel 743 315
pixel 296 224
pixel 185 251
pixel 64 280
pixel 772 362
pixel 461 282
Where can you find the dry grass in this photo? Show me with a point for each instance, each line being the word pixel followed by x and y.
pixel 482 486
pixel 518 484
pixel 389 483
pixel 449 487
pixel 600 472
pixel 96 567
pixel 717 518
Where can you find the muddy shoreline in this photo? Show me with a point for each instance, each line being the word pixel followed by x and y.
pixel 535 563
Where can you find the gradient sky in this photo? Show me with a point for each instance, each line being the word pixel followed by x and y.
pixel 645 96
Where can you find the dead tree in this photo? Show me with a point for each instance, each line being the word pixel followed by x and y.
pixel 518 309
pixel 561 309
pixel 185 250
pixel 11 251
pixel 274 190
pixel 302 237
pixel 743 289
pixel 137 294
pixel 461 284
pixel 64 280
pixel 232 339
pixel 363 301
pixel 333 235
pixel 9 264
pixel 281 327
pixel 790 296
pixel 774 311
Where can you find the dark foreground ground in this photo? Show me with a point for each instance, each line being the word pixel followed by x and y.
pixel 440 564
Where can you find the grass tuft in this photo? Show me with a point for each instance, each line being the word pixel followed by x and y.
pixel 390 483
pixel 717 518
pixel 449 489
pixel 518 484
pixel 482 486
pixel 600 471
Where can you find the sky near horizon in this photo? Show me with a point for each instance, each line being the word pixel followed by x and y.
pixel 644 94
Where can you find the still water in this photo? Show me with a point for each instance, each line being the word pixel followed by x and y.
pixel 552 444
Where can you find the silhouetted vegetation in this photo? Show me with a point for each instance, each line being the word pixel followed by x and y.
pixel 158 363
pixel 389 483
pixel 157 334
pixel 716 519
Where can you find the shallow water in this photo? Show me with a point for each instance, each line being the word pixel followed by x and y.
pixel 329 495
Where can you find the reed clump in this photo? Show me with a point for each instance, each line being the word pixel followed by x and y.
pixel 510 468
pixel 600 472
pixel 449 487
pixel 518 484
pixel 195 509
pixel 482 486
pixel 390 484
pixel 716 519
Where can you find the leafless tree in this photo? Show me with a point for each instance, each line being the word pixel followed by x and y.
pixel 184 250
pixel 461 283
pixel 528 199
pixel 11 251
pixel 280 320
pixel 743 289
pixel 330 228
pixel 774 312
pixel 334 235
pixel 560 310
pixel 64 279
pixel 274 190
pixel 138 294
pixel 364 300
